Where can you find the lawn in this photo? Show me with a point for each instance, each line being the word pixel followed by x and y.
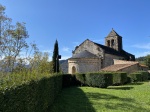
pixel 127 98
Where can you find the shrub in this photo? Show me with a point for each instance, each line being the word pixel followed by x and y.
pixel 148 76
pixel 138 76
pixel 119 78
pixel 98 79
pixel 31 96
pixel 144 75
pixel 69 80
pixel 134 77
pixel 81 78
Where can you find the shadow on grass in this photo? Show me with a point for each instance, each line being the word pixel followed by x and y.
pixel 114 103
pixel 72 100
pixel 120 88
pixel 75 99
pixel 135 83
pixel 100 96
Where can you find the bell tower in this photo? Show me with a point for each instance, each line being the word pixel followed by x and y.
pixel 113 40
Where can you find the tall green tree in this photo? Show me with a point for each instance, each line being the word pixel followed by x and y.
pixel 147 61
pixel 56 58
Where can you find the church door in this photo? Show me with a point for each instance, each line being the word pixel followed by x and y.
pixel 73 70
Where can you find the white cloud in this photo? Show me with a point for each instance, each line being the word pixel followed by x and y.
pixel 65 57
pixel 97 40
pixel 140 54
pixel 76 43
pixel 142 46
pixel 48 51
pixel 65 49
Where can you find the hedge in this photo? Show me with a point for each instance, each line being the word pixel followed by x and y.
pixel 69 80
pixel 81 78
pixel 33 96
pixel 119 78
pixel 145 75
pixel 98 79
pixel 138 76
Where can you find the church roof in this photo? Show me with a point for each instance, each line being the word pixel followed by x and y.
pixel 84 54
pixel 122 53
pixel 117 67
pixel 113 33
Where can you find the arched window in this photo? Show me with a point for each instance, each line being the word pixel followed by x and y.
pixel 73 70
pixel 112 43
pixel 108 43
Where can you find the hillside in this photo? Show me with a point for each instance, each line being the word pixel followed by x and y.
pixel 64 65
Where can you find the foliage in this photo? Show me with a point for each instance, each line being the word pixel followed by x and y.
pixel 119 78
pixel 98 79
pixel 127 98
pixel 81 78
pixel 12 42
pixel 134 77
pixel 40 63
pixel 55 59
pixel 144 75
pixel 140 58
pixel 31 95
pixel 138 76
pixel 69 80
pixel 147 61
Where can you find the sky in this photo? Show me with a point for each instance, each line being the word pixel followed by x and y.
pixel 73 21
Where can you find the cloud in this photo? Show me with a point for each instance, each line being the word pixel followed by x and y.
pixel 97 40
pixel 142 46
pixel 48 51
pixel 76 43
pixel 65 57
pixel 140 54
pixel 65 49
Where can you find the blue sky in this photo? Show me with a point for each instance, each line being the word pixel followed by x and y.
pixel 73 21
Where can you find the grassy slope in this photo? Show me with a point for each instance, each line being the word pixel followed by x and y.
pixel 127 98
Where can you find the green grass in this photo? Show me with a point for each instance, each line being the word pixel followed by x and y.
pixel 127 98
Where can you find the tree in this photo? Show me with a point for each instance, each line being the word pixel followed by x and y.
pixel 147 61
pixel 56 58
pixel 12 41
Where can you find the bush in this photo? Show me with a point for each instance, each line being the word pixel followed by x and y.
pixel 144 75
pixel 119 78
pixel 148 76
pixel 32 96
pixel 80 78
pixel 138 76
pixel 98 79
pixel 134 77
pixel 69 80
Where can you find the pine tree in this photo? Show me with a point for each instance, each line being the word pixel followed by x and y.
pixel 56 58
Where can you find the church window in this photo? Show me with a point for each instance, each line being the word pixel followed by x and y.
pixel 112 43
pixel 108 43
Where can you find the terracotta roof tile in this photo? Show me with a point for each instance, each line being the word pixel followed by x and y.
pixel 117 67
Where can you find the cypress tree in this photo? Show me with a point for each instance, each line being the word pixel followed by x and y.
pixel 55 59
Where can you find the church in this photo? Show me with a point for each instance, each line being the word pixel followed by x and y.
pixel 92 57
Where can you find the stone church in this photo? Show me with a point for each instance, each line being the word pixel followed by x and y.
pixel 91 57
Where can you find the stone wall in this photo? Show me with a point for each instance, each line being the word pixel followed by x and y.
pixel 124 62
pixel 143 67
pixel 89 46
pixel 109 59
pixel 130 69
pixel 84 65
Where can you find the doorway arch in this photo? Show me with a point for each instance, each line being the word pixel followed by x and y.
pixel 73 70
